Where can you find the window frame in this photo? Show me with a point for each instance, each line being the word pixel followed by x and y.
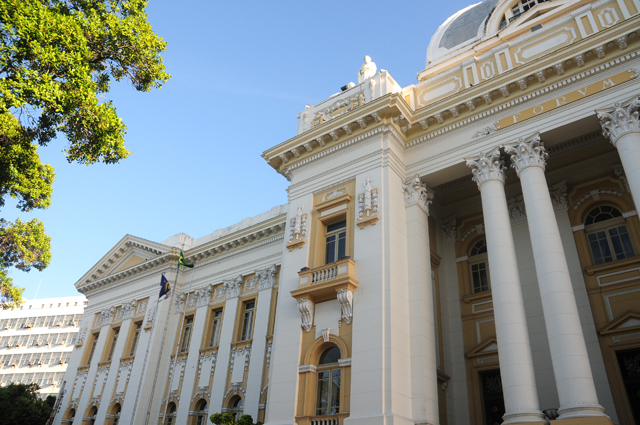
pixel 135 338
pixel 216 327
pixel 605 227
pixel 113 337
pixel 247 320
pixel 340 235
pixel 185 339
pixel 331 369
pixel 92 348
pixel 477 260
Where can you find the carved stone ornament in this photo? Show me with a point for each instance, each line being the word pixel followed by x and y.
pixel 126 311
pixel 415 193
pixel 203 296
pixel 517 211
pixel 345 297
pixel 527 153
pixel 487 167
pixel 297 230
pixel 267 277
pixel 622 176
pixel 306 308
pixel 233 287
pixel 151 316
pixel 106 316
pixel 448 227
pixel 367 206
pixel 180 303
pixel 486 131
pixel 620 120
pixel 142 306
pixel 558 193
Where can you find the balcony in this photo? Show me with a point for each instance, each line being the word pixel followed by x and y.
pixel 337 419
pixel 323 283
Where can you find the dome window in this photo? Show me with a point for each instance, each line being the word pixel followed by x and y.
pixel 523 6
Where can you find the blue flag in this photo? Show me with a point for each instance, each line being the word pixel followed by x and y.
pixel 164 286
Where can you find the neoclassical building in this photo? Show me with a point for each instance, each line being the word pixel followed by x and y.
pixel 461 251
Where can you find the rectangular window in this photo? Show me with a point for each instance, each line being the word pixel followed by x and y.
pixel 335 241
pixel 134 341
pixel 94 342
pixel 215 328
pixel 480 278
pixel 247 321
pixel 328 402
pixel 114 340
pixel 186 335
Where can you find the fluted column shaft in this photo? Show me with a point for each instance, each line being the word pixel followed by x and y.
pixel 622 127
pixel 424 372
pixel 569 357
pixel 514 348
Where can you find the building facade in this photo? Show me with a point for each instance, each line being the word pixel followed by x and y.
pixel 36 341
pixel 460 251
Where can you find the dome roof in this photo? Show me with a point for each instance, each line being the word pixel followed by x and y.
pixel 462 27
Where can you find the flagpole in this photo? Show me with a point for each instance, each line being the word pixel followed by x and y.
pixel 164 335
pixel 175 354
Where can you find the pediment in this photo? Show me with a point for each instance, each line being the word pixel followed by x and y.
pixel 627 321
pixel 488 346
pixel 129 252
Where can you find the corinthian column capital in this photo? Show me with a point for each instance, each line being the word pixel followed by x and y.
pixel 620 121
pixel 487 167
pixel 416 193
pixel 527 153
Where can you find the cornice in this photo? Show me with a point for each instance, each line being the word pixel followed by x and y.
pixel 237 239
pixel 330 132
pixel 542 91
pixel 238 251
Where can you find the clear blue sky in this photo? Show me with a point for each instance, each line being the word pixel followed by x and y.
pixel 241 72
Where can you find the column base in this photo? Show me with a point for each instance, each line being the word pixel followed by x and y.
pixel 589 420
pixel 525 417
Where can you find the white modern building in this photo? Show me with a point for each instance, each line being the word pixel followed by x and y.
pixel 461 251
pixel 36 341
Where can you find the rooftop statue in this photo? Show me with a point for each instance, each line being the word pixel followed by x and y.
pixel 368 69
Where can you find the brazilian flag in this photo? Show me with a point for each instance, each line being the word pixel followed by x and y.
pixel 164 286
pixel 182 262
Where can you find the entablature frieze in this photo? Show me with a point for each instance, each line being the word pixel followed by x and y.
pixel 487 98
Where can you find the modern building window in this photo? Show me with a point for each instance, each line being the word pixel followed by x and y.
pixel 136 337
pixel 92 350
pixel 112 346
pixel 171 414
pixel 479 266
pixel 335 241
pixel 186 335
pixel 328 387
pixel 608 236
pixel 201 413
pixel 216 325
pixel 247 320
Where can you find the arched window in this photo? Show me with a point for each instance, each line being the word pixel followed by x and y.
pixel 235 407
pixel 116 414
pixel 328 387
pixel 607 234
pixel 201 413
pixel 479 265
pixel 70 416
pixel 92 415
pixel 171 414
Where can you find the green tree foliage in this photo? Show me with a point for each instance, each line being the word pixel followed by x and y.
pixel 56 59
pixel 21 405
pixel 228 419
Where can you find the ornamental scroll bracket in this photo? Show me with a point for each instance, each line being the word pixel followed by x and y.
pixel 306 308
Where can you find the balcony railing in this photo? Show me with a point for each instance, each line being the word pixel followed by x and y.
pixel 323 283
pixel 325 420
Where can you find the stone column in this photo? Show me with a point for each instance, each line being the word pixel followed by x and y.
pixel 621 125
pixel 571 365
pixel 514 348
pixel 424 372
